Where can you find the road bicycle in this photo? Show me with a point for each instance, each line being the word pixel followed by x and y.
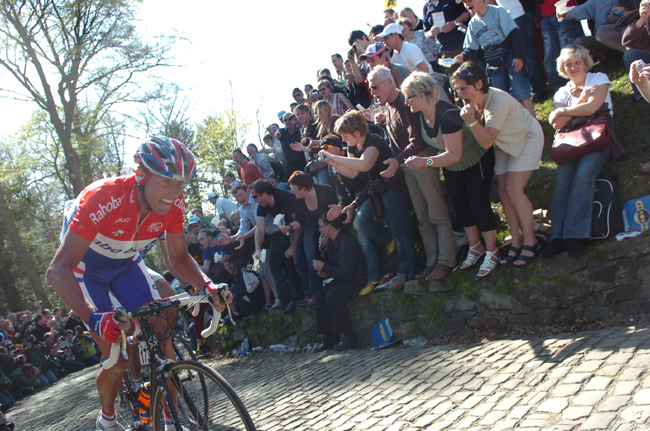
pixel 205 401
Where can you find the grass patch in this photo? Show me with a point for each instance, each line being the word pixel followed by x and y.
pixel 414 331
pixel 435 312
pixel 406 301
pixel 593 253
pixel 502 289
pixel 468 288
pixel 560 280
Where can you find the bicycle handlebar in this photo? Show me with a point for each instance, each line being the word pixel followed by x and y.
pixel 157 308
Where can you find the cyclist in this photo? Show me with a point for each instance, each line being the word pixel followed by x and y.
pixel 104 230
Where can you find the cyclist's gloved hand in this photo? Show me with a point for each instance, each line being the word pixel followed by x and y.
pixel 218 294
pixel 105 326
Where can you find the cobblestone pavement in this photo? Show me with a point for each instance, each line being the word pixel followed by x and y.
pixel 587 381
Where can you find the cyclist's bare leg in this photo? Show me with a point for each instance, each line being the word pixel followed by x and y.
pixel 108 381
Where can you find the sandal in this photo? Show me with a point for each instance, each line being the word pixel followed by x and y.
pixel 527 259
pixel 510 258
pixel 472 256
pixel 490 262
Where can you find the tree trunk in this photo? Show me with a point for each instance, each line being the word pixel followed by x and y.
pixel 8 285
pixel 7 220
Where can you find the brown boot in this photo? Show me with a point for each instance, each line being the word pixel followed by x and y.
pixel 428 270
pixel 440 272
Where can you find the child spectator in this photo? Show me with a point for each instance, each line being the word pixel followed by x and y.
pixel 492 29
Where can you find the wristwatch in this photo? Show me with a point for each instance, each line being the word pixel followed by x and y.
pixel 564 110
pixel 429 162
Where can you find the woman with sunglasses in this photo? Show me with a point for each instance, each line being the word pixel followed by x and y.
pixel 496 118
pixel 467 166
pixel 312 144
pixel 340 103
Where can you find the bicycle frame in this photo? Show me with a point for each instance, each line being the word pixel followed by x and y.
pixel 159 365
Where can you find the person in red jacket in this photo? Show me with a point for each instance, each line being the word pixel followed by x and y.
pixel 247 171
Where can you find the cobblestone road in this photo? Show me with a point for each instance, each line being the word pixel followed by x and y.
pixel 587 380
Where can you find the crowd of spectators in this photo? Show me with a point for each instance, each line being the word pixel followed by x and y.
pixel 38 348
pixel 449 93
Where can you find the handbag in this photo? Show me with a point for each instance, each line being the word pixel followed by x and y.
pixel 584 135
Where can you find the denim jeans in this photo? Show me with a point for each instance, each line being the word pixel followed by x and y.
pixel 46 378
pixel 6 399
pixel 323 177
pixel 557 35
pixel 505 78
pixel 72 365
pixel 573 197
pixel 399 226
pixel 306 252
pixel 533 67
pixel 369 230
pixel 630 56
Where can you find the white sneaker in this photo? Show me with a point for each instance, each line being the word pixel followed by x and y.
pixel 104 425
pixel 276 304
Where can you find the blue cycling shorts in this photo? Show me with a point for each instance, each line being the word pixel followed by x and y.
pixel 129 286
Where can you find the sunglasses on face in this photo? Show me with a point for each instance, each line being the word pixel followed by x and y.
pixel 254 196
pixel 374 87
pixel 465 73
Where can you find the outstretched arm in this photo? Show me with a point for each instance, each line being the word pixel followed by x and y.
pixel 63 280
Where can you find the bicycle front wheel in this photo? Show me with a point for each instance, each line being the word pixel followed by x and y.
pixel 182 348
pixel 205 401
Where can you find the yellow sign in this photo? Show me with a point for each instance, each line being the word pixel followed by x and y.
pixel 390 4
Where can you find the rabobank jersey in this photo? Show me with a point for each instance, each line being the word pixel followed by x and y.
pixel 106 213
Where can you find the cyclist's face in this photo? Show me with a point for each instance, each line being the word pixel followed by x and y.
pixel 161 193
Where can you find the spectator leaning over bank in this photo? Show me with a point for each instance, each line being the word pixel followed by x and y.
pixel 367 156
pixel 468 167
pixel 424 186
pixel 496 118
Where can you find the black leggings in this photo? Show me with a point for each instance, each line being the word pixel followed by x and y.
pixel 469 191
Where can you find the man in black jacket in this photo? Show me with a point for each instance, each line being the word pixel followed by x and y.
pixel 347 266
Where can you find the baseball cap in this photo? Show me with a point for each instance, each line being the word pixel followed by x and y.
pixel 390 29
pixel 193 220
pixel 281 114
pixel 372 50
pixel 332 140
pixel 212 195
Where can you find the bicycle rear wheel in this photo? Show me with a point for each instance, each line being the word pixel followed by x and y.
pixel 206 401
